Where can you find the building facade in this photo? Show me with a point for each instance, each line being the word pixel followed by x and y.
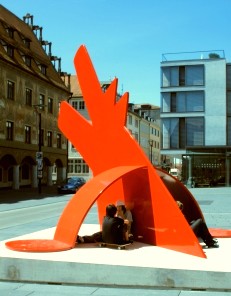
pixel 195 116
pixel 30 93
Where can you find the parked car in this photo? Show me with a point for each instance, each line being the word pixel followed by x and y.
pixel 220 181
pixel 71 185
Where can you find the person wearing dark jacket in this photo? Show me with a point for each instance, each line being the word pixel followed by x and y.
pixel 114 229
pixel 201 230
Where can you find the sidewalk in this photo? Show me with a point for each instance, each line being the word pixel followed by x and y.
pixel 12 196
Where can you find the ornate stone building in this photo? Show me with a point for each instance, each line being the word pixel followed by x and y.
pixel 31 89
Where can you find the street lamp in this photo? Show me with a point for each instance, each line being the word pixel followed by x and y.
pixel 151 145
pixel 39 154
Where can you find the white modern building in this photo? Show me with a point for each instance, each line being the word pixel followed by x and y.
pixel 195 115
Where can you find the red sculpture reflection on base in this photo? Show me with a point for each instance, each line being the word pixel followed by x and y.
pixel 121 171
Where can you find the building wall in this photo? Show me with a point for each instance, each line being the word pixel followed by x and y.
pixel 215 102
pixel 197 130
pixel 25 66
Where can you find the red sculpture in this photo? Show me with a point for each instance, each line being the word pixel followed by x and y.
pixel 121 171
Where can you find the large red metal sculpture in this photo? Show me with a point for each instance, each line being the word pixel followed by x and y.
pixel 121 171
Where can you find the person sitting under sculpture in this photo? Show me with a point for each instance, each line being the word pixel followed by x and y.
pixel 114 229
pixel 201 230
pixel 125 214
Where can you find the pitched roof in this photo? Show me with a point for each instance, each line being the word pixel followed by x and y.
pixel 25 44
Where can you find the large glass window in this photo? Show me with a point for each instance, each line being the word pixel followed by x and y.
pixel 183 75
pixel 194 75
pixel 195 131
pixel 181 132
pixel 183 101
pixel 229 118
pixel 229 131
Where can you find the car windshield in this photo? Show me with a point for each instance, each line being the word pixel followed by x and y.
pixel 71 180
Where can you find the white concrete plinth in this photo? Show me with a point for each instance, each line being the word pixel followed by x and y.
pixel 139 265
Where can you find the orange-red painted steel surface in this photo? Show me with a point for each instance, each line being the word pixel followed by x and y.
pixel 121 172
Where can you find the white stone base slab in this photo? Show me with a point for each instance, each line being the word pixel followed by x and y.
pixel 140 265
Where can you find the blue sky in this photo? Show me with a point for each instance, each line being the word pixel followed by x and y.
pixel 126 38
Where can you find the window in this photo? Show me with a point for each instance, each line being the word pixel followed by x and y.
pixel 77 166
pixel 42 102
pixel 27 60
pixel 194 131
pixel 75 105
pixel 10 32
pixel 130 119
pixel 229 118
pixel 10 50
pixel 81 105
pixel 229 131
pixel 49 139
pixel 59 141
pixel 27 134
pixel 9 130
pixel 183 75
pixel 50 105
pixel 181 132
pixel 136 123
pixel 27 42
pixel 43 69
pixel 10 90
pixel 78 105
pixel 28 97
pixel 183 101
pixel 136 136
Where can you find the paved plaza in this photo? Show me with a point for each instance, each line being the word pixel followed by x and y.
pixel 139 270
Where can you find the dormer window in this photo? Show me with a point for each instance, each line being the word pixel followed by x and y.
pixel 27 60
pixel 9 49
pixel 10 32
pixel 43 69
pixel 27 42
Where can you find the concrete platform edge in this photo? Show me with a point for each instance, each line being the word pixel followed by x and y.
pixel 43 271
